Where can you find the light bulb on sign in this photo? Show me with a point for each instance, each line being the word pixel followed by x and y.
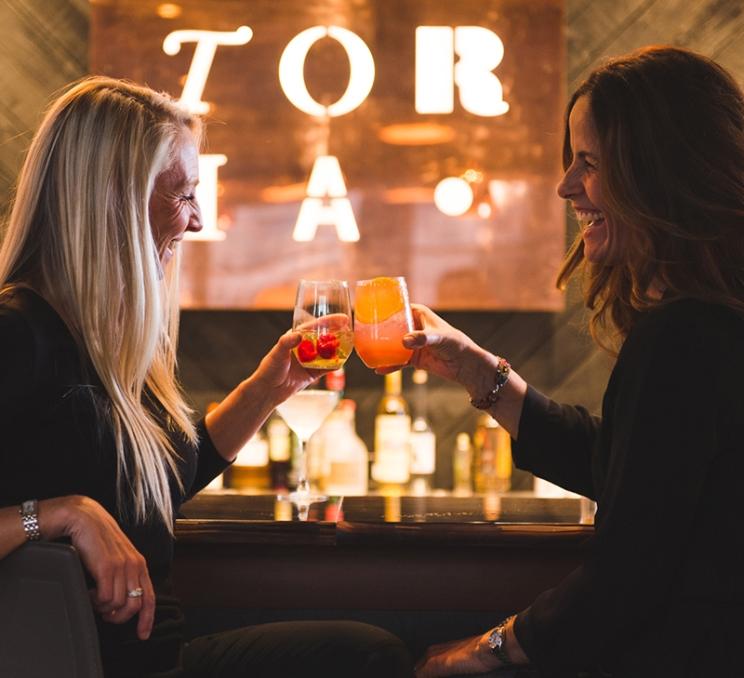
pixel 453 196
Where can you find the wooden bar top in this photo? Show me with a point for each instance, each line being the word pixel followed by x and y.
pixel 487 520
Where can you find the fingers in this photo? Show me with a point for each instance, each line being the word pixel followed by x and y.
pixel 289 340
pixel 416 340
pixel 147 611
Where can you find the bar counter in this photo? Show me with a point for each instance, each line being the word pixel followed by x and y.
pixel 376 552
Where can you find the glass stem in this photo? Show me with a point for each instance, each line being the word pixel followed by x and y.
pixel 303 486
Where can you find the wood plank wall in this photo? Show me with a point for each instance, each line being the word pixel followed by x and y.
pixel 44 45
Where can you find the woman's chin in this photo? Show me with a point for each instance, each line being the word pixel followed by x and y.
pixel 595 244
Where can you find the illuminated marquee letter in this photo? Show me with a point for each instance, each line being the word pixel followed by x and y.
pixel 206 46
pixel 206 196
pixel 326 182
pixel 292 78
pixel 480 51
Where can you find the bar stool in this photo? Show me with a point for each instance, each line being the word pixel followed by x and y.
pixel 46 620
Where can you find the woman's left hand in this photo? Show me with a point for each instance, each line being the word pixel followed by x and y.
pixel 281 373
pixel 457 657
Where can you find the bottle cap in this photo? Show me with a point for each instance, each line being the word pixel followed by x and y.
pixel 420 376
pixel 336 380
pixel 348 405
pixel 463 441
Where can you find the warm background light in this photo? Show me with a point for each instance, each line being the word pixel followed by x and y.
pixel 453 196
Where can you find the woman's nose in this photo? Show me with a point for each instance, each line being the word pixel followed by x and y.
pixel 569 185
pixel 195 223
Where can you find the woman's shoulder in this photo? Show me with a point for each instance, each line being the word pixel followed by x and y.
pixel 24 311
pixel 692 321
pixel 31 333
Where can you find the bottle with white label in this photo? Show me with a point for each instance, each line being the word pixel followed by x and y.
pixel 423 441
pixel 250 470
pixel 392 435
pixel 280 452
pixel 345 454
pixel 462 462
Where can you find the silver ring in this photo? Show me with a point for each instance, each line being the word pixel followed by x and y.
pixel 135 593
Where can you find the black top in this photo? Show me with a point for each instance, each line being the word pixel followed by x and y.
pixel 55 442
pixel 662 590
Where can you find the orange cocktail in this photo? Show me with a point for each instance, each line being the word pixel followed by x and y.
pixel 382 316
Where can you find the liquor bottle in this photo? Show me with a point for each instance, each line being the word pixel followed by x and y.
pixel 492 461
pixel 250 470
pixel 345 454
pixel 392 435
pixel 317 464
pixel 423 440
pixel 279 452
pixel 462 462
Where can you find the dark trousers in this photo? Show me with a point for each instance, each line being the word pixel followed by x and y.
pixel 331 649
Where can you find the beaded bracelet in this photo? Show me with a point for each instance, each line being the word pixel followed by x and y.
pixel 503 370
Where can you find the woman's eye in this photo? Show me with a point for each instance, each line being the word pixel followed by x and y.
pixel 190 197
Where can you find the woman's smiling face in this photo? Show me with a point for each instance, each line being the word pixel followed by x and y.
pixel 581 184
pixel 173 207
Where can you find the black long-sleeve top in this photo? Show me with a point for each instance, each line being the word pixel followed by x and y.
pixel 661 591
pixel 55 442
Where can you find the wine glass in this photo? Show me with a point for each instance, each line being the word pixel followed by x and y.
pixel 382 317
pixel 322 315
pixel 304 412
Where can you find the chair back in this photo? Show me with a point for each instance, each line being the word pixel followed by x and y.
pixel 47 627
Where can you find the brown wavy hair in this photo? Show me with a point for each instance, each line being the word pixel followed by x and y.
pixel 670 125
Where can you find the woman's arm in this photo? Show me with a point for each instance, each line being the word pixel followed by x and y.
pixel 553 441
pixel 108 555
pixel 239 416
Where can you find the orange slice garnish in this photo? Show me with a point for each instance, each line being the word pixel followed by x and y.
pixel 378 300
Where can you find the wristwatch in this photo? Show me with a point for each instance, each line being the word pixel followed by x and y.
pixel 497 642
pixel 29 512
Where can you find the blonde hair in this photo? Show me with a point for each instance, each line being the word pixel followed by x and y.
pixel 79 232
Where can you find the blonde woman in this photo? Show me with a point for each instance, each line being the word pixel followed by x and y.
pixel 98 442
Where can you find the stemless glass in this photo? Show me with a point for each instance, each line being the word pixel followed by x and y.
pixel 382 316
pixel 322 314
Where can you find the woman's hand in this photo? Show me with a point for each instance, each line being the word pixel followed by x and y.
pixel 457 657
pixel 278 376
pixel 447 352
pixel 280 373
pixel 108 555
pixel 438 347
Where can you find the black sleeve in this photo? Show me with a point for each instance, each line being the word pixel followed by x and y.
pixel 555 442
pixel 17 363
pixel 663 438
pixel 210 463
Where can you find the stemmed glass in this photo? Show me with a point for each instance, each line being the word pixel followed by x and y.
pixel 382 317
pixel 322 315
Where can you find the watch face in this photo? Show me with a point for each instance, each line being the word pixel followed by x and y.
pixel 496 639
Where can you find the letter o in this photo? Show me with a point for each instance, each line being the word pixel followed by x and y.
pixel 292 64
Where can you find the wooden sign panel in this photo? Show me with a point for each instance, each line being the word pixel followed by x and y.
pixel 332 127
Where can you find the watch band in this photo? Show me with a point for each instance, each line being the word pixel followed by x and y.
pixel 29 511
pixel 503 369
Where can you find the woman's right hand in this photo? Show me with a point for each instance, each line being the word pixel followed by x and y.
pixel 107 554
pixel 442 349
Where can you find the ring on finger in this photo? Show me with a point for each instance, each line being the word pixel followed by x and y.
pixel 135 593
